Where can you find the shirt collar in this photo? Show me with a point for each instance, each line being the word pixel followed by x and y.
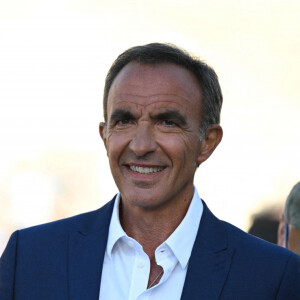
pixel 181 241
pixel 115 229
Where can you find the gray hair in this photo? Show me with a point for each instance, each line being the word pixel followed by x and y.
pixel 292 207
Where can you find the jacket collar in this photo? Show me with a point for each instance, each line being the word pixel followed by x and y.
pixel 207 271
pixel 86 248
pixel 210 260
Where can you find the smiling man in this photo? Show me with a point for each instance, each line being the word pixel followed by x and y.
pixel 156 239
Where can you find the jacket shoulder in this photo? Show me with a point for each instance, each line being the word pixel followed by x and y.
pixel 85 222
pixel 263 265
pixel 249 243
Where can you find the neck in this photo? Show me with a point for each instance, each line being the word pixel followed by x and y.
pixel 151 227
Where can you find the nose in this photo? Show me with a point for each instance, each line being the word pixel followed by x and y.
pixel 143 141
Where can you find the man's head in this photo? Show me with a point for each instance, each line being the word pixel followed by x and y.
pixel 157 53
pixel 289 231
pixel 153 112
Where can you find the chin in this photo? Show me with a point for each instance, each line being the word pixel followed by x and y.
pixel 143 199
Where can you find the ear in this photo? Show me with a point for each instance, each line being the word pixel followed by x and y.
pixel 102 132
pixel 281 232
pixel 211 140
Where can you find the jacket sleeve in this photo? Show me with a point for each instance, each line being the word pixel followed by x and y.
pixel 7 268
pixel 290 283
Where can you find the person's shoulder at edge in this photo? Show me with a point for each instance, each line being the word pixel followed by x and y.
pixel 243 241
pixel 256 248
pixel 270 266
pixel 252 253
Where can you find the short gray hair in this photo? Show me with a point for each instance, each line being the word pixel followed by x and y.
pixel 292 207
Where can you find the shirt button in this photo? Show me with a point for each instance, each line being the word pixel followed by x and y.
pixel 140 264
pixel 130 243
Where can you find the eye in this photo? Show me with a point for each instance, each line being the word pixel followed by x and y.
pixel 123 122
pixel 169 123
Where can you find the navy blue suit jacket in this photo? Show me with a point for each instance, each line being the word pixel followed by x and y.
pixel 63 260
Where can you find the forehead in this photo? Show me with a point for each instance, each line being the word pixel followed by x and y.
pixel 157 85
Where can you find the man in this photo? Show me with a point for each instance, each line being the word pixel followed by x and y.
pixel 289 226
pixel 156 239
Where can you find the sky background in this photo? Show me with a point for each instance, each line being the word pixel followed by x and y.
pixel 53 59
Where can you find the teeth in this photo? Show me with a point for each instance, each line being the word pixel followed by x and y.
pixel 145 170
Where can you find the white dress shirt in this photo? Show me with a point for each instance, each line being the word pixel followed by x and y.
pixel 126 266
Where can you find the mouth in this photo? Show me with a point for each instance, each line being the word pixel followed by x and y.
pixel 146 170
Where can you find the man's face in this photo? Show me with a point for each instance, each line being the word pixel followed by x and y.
pixel 294 240
pixel 152 134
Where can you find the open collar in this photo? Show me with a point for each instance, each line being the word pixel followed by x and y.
pixel 116 231
pixel 181 241
pixel 207 271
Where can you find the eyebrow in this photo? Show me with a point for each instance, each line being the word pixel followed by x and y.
pixel 121 114
pixel 170 115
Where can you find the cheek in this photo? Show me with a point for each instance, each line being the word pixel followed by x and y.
pixel 115 145
pixel 294 240
pixel 181 149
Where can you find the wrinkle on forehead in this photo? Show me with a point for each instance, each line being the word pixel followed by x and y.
pixel 168 78
pixel 146 103
pixel 122 96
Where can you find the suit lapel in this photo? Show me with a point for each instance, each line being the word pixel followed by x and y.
pixel 207 271
pixel 209 262
pixel 86 253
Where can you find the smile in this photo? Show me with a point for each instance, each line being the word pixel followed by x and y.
pixel 145 170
